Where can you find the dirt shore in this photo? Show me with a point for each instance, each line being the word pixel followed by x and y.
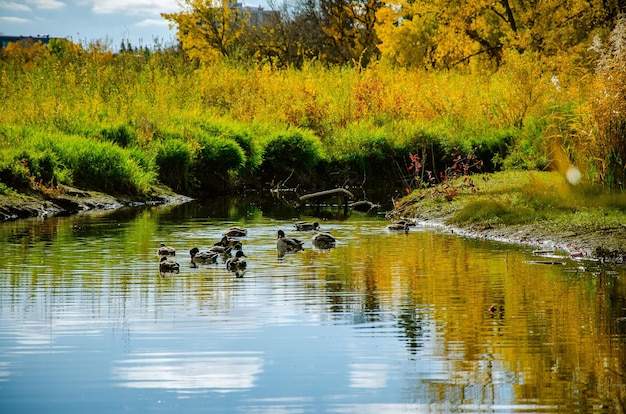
pixel 606 243
pixel 67 200
pixel 586 237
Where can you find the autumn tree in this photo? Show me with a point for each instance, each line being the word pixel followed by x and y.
pixel 281 38
pixel 445 34
pixel 208 29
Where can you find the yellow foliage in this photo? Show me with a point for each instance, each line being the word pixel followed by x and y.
pixel 208 29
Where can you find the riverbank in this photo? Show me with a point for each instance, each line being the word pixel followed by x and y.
pixel 68 200
pixel 539 209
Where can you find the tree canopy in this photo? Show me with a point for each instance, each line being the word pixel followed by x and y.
pixel 422 33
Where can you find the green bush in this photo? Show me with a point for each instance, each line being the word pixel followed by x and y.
pixel 122 135
pixel 293 150
pixel 174 160
pixel 218 161
pixel 102 166
pixel 243 135
pixel 13 172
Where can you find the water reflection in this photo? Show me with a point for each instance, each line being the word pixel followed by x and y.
pixel 382 322
pixel 219 372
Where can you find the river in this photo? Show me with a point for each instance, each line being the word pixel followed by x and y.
pixel 385 322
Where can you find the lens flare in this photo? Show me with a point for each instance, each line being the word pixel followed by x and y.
pixel 573 175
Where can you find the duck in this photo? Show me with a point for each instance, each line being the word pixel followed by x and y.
pixel 167 265
pixel 165 250
pixel 235 232
pixel 324 241
pixel 306 226
pixel 230 242
pixel 237 264
pixel 286 244
pixel 399 226
pixel 202 257
pixel 219 248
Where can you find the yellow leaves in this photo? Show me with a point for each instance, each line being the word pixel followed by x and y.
pixel 208 29
pixel 25 52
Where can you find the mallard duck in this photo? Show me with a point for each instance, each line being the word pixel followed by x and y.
pixel 164 250
pixel 230 242
pixel 202 257
pixel 323 241
pixel 237 264
pixel 220 249
pixel 286 244
pixel 167 265
pixel 235 232
pixel 306 226
pixel 399 226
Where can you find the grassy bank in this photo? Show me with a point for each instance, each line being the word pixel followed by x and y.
pixel 127 122
pixel 537 208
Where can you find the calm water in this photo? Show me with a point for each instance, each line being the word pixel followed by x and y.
pixel 383 323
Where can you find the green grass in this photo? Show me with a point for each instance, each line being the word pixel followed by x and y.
pixel 519 197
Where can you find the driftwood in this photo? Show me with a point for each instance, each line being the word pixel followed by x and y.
pixel 342 192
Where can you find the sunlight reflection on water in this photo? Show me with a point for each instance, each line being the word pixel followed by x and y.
pixel 384 322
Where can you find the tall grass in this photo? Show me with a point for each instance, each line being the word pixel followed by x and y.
pixel 155 116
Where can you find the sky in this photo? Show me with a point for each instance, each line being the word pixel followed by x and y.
pixel 85 21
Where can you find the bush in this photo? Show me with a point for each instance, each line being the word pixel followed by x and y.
pixel 174 160
pixel 102 166
pixel 13 172
pixel 218 160
pixel 42 165
pixel 122 135
pixel 291 151
pixel 243 136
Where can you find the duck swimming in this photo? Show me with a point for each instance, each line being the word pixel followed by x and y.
pixel 202 257
pixel 237 264
pixel 167 265
pixel 323 241
pixel 230 242
pixel 306 226
pixel 220 249
pixel 399 226
pixel 164 250
pixel 235 232
pixel 286 244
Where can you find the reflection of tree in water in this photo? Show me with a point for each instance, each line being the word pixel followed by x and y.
pixel 410 321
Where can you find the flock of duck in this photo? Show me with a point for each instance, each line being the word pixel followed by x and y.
pixel 231 242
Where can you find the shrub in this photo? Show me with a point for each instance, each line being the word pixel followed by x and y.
pixel 174 159
pixel 291 151
pixel 13 172
pixel 217 160
pixel 42 165
pixel 243 136
pixel 101 166
pixel 122 135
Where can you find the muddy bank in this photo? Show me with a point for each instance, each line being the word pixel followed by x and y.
pixel 67 200
pixel 598 241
